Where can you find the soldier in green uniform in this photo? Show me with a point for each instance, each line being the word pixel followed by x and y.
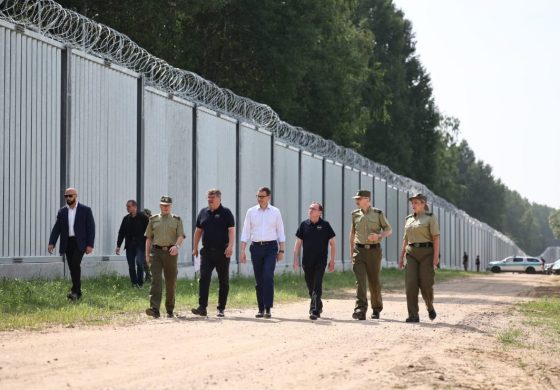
pixel 164 236
pixel 369 227
pixel 421 246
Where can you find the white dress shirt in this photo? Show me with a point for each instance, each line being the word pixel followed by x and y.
pixel 71 218
pixel 263 225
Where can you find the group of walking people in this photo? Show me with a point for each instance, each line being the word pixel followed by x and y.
pixel 153 243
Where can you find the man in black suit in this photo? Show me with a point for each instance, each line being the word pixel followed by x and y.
pixel 76 228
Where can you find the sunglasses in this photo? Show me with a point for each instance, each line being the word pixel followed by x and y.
pixel 262 196
pixel 69 196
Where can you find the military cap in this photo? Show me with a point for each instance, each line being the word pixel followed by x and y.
pixel 362 194
pixel 418 195
pixel 165 199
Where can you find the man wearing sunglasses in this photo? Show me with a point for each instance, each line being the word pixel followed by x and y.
pixel 76 228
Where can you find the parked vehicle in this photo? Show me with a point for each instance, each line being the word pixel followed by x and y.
pixel 552 268
pixel 526 264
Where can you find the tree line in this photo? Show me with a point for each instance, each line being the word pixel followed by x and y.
pixel 344 69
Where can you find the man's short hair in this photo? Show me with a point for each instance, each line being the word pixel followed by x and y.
pixel 265 189
pixel 319 205
pixel 132 202
pixel 214 191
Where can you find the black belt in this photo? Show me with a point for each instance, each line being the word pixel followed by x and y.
pixel 165 248
pixel 422 245
pixel 264 242
pixel 368 246
pixel 214 248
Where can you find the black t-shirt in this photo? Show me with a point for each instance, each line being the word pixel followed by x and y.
pixel 315 237
pixel 215 225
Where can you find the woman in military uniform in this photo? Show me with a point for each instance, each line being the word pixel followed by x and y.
pixel 421 246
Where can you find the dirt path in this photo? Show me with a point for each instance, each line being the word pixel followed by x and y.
pixel 458 350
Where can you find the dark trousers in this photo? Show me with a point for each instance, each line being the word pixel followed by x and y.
pixel 314 279
pixel 210 259
pixel 478 267
pixel 74 259
pixel 264 263
pixel 466 266
pixel 136 256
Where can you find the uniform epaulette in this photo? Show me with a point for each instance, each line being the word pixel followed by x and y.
pixel 177 217
pixel 153 216
pixel 355 211
pixel 430 214
pixel 409 216
pixel 377 210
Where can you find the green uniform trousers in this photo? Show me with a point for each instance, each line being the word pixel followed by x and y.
pixel 419 276
pixel 366 264
pixel 163 261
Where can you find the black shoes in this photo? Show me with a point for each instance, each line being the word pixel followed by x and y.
pixel 432 314
pixel 73 297
pixel 220 313
pixel 152 312
pixel 358 315
pixel 199 311
pixel 413 319
pixel 263 314
pixel 375 315
pixel 313 314
pixel 170 314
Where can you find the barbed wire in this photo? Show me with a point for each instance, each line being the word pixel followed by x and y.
pixel 77 31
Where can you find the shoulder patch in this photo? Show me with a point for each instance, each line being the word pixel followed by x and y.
pixel 176 217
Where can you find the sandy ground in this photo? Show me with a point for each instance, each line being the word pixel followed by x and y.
pixel 458 350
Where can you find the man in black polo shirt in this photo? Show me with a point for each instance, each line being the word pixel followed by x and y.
pixel 315 234
pixel 216 225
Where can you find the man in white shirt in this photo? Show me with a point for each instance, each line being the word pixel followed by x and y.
pixel 263 226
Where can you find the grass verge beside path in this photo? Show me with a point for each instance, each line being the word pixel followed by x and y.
pixel 36 304
pixel 545 313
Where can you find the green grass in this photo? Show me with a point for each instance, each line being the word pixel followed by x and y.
pixel 543 312
pixel 35 304
pixel 510 337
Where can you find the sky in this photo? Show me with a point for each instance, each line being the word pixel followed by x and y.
pixel 495 65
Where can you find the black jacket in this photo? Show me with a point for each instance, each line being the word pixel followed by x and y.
pixel 84 228
pixel 132 230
